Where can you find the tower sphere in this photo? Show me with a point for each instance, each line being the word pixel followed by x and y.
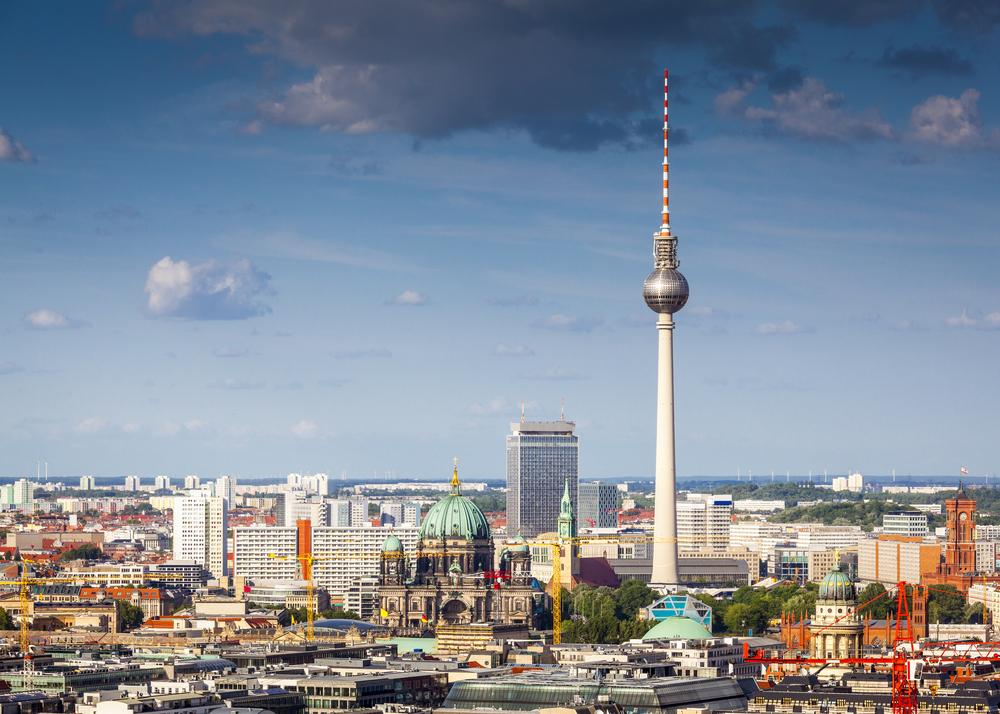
pixel 665 291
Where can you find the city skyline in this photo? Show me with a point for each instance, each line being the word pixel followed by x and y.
pixel 224 248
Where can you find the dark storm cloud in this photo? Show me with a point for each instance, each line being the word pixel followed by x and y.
pixel 922 61
pixel 573 75
pixel 972 16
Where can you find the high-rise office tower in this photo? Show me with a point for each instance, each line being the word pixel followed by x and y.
pixel 666 292
pixel 225 486
pixel 132 482
pixel 192 481
pixel 87 483
pixel 598 504
pixel 200 530
pixel 338 512
pixel 541 457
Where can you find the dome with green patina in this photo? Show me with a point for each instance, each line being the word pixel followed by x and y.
pixel 392 545
pixel 455 516
pixel 837 586
pixel 678 628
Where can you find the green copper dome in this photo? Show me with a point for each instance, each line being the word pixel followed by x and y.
pixel 836 586
pixel 392 545
pixel 455 516
pixel 677 628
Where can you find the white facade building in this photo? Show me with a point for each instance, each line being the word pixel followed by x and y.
pixel 338 513
pixel 161 483
pixel 87 483
pixel 359 511
pixel 854 482
pixel 254 546
pixel 225 486
pixel 343 555
pixel 192 481
pixel 755 505
pixel 132 482
pixel 200 522
pixel 704 521
pixel 905 523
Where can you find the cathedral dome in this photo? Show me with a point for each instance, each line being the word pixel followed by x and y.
pixel 836 586
pixel 392 545
pixel 455 516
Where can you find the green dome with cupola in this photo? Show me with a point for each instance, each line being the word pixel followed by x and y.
pixel 455 516
pixel 837 586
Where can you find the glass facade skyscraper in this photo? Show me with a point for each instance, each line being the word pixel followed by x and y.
pixel 541 457
pixel 598 505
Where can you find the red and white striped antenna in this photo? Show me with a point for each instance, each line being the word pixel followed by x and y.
pixel 665 224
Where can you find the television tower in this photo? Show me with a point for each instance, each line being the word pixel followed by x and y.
pixel 665 292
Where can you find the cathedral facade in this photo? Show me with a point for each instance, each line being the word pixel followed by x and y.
pixel 453 578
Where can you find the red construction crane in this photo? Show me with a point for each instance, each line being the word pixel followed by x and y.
pixel 902 652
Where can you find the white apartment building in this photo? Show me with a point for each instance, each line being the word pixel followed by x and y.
pixel 192 481
pixel 200 522
pixel 362 597
pixel 318 483
pixel 989 595
pixel 986 556
pixel 342 555
pixel 345 554
pixel 934 508
pixel 905 523
pixel 854 482
pixel 761 537
pixel 987 532
pixel 161 483
pixel 119 575
pixel 401 513
pixel 87 483
pixel 225 486
pixel 359 511
pixel 756 505
pixel 19 495
pixel 300 505
pixel 254 546
pixel 704 521
pixel 132 482
pixel 338 513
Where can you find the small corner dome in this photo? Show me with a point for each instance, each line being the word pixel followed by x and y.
pixel 392 545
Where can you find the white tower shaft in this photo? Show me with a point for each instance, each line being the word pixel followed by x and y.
pixel 665 502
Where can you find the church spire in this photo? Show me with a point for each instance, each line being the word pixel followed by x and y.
pixel 567 518
pixel 455 483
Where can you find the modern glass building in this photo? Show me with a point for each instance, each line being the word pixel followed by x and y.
pixel 598 505
pixel 541 457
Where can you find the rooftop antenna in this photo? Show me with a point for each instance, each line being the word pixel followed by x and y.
pixel 562 409
pixel 46 472
pixel 522 411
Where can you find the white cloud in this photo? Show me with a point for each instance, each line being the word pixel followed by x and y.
pixel 952 122
pixel 813 111
pixel 409 297
pixel 305 429
pixel 46 319
pixel 231 352
pixel 493 407
pixel 731 101
pixel 206 291
pixel 10 367
pixel 568 323
pixel 91 425
pixel 506 350
pixel 786 327
pixel 131 427
pixel 13 150
pixel 990 321
pixel 236 384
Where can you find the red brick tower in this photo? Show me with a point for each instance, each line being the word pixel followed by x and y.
pixel 960 550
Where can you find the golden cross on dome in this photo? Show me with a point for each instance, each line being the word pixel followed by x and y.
pixel 454 474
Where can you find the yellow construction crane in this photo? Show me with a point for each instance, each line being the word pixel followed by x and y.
pixel 306 561
pixel 555 582
pixel 24 584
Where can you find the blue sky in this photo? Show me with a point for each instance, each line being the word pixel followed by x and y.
pixel 252 238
